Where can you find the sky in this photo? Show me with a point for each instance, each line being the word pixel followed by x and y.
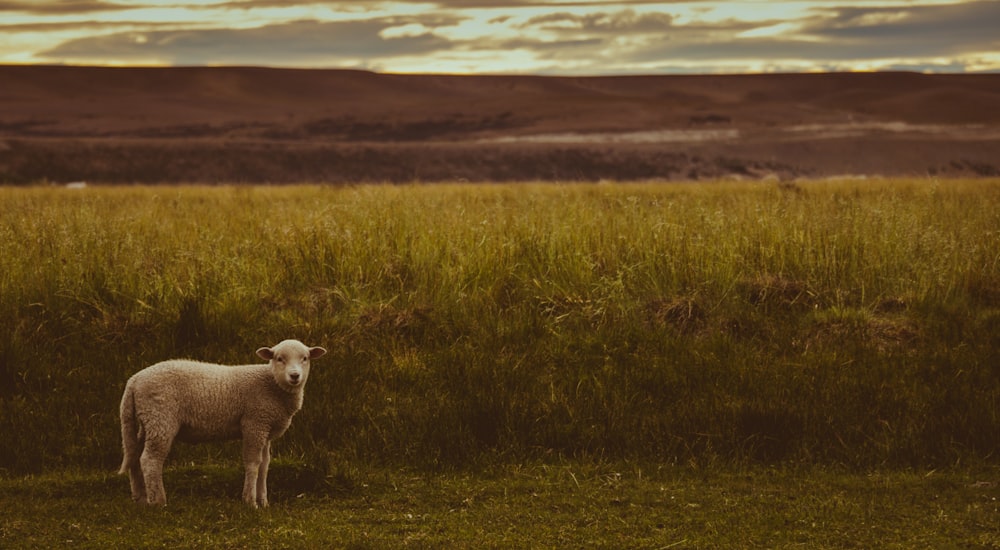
pixel 554 37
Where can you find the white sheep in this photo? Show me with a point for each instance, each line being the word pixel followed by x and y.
pixel 194 402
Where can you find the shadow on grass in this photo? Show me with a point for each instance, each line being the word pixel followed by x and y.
pixel 285 481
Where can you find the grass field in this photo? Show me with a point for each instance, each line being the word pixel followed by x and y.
pixel 851 325
pixel 558 505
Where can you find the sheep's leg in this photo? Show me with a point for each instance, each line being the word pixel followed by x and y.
pixel 133 440
pixel 137 482
pixel 252 454
pixel 265 460
pixel 151 462
pixel 131 465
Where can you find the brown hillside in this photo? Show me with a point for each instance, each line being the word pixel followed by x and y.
pixel 256 124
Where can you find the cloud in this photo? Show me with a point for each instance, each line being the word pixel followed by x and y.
pixel 938 30
pixel 560 4
pixel 553 36
pixel 553 46
pixel 616 41
pixel 449 4
pixel 61 7
pixel 834 38
pixel 89 26
pixel 301 41
pixel 626 21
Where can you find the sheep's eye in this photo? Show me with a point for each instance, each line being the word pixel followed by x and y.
pixel 280 359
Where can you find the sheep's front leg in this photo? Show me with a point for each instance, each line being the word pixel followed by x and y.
pixel 265 460
pixel 253 453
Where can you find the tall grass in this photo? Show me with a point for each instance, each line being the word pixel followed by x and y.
pixel 838 322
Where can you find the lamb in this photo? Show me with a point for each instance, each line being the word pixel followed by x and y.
pixel 195 402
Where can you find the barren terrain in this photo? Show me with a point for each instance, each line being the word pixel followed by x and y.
pixel 150 125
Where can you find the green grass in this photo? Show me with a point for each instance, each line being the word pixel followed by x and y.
pixel 553 505
pixel 849 324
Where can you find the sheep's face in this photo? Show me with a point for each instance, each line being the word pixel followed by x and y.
pixel 290 362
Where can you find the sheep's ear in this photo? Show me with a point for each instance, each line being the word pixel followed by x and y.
pixel 266 353
pixel 316 352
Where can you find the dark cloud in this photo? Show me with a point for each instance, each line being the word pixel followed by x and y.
pixel 253 4
pixel 301 41
pixel 458 4
pixel 450 4
pixel 914 30
pixel 840 36
pixel 61 7
pixel 89 25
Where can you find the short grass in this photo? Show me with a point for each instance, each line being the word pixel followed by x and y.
pixel 551 505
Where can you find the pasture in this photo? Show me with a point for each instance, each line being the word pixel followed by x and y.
pixel 690 332
pixel 552 505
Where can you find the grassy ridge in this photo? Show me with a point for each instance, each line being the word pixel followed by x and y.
pixel 844 322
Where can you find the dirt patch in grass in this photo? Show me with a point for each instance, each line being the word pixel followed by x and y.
pixel 683 314
pixel 777 291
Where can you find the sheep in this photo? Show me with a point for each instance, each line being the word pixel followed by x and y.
pixel 195 402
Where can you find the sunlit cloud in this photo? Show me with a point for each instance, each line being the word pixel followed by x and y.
pixel 311 42
pixel 527 36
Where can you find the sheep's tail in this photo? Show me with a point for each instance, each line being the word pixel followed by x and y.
pixel 131 443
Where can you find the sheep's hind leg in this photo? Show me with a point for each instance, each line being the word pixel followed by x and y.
pixel 131 466
pixel 151 462
pixel 137 482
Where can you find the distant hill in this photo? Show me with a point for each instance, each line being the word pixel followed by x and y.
pixel 242 124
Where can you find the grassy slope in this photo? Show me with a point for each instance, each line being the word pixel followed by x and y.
pixel 849 323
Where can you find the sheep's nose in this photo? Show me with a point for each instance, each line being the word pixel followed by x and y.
pixel 294 377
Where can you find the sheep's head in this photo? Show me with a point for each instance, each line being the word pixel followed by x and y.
pixel 290 362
